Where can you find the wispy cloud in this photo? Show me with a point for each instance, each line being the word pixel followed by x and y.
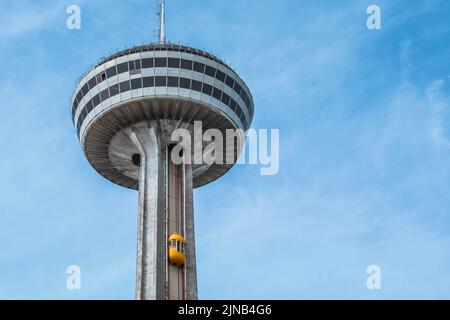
pixel 22 17
pixel 438 102
pixel 364 152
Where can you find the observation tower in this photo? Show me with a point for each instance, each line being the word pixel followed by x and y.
pixel 125 110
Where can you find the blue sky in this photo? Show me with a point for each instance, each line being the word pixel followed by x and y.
pixel 364 119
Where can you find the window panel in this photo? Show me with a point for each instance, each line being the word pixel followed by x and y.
pixel 123 67
pixel 217 93
pixel 74 108
pixel 174 63
pixel 238 111
pixel 79 96
pixel 225 98
pixel 96 100
pixel 207 89
pixel 111 72
pixel 186 64
pixel 196 85
pixel 233 105
pixel 237 88
pixel 210 71
pixel 220 76
pixel 149 82
pixel 243 119
pixel 83 114
pixel 92 83
pixel 85 89
pixel 199 67
pixel 100 77
pixel 147 63
pixel 247 102
pixel 160 81
pixel 114 90
pixel 104 95
pixel 136 83
pixel 137 64
pixel 185 83
pixel 243 95
pixel 172 82
pixel 160 62
pixel 229 81
pixel 89 106
pixel 124 86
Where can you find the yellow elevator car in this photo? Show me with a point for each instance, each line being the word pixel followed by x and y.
pixel 177 249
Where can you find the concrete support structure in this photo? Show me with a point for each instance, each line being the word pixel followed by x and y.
pixel 189 231
pixel 165 208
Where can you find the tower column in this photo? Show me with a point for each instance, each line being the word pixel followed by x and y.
pixel 191 261
pixel 151 248
pixel 165 208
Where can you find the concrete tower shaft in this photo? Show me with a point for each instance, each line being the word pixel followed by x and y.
pixel 165 207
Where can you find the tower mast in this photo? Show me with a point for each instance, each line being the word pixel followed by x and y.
pixel 162 23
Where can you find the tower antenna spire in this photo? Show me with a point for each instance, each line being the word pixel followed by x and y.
pixel 162 22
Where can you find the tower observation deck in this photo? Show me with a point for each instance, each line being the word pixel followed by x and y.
pixel 125 110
